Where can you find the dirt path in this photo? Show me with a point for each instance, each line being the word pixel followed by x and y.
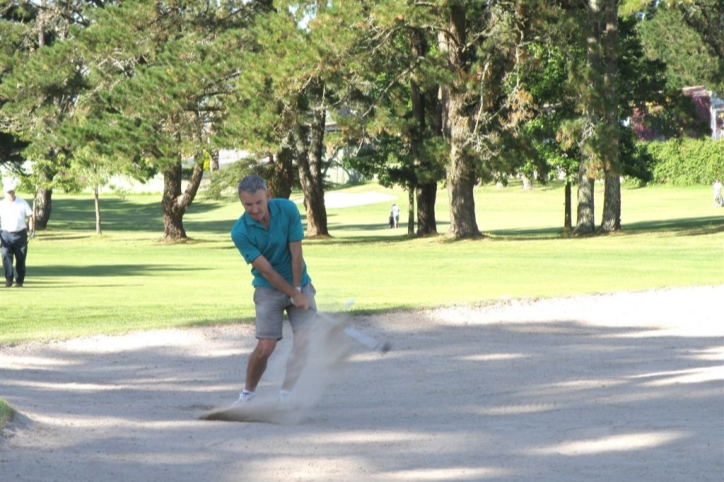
pixel 626 387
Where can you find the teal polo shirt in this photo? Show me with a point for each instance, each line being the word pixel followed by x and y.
pixel 252 240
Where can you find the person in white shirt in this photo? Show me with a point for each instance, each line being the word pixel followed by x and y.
pixel 16 226
pixel 718 201
pixel 395 216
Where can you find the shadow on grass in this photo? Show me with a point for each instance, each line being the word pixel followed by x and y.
pixel 525 234
pixel 700 226
pixel 682 226
pixel 100 271
pixel 51 235
pixel 371 239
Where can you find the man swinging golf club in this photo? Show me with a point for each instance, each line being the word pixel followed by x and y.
pixel 269 237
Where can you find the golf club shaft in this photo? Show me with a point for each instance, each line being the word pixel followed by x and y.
pixel 366 340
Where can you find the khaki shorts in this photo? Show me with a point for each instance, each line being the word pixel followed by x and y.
pixel 270 306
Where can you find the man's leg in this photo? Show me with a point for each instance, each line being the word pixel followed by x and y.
pixel 269 305
pixel 297 359
pixel 21 252
pixel 256 366
pixel 302 322
pixel 7 255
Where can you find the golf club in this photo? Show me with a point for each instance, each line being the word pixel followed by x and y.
pixel 366 340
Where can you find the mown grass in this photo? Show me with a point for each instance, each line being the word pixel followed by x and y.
pixel 129 279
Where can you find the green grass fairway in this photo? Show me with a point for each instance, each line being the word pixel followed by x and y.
pixel 127 279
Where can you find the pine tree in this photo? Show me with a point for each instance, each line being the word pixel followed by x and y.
pixel 41 79
pixel 286 92
pixel 689 48
pixel 399 121
pixel 667 37
pixel 484 104
pixel 12 17
pixel 162 73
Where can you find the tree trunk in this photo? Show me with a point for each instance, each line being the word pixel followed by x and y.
pixel 611 203
pixel 418 48
pixel 411 212
pixel 461 183
pixel 316 159
pixel 461 175
pixel 426 197
pixel 461 178
pixel 214 160
pixel 585 223
pixel 593 99
pixel 427 190
pixel 97 200
pixel 174 203
pixel 311 184
pixel 567 209
pixel 42 207
pixel 173 226
pixel 611 220
pixel 282 176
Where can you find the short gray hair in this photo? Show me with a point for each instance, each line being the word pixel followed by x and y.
pixel 251 184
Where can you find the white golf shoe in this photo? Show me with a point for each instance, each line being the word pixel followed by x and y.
pixel 244 397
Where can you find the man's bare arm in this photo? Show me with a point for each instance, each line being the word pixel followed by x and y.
pixel 297 262
pixel 277 281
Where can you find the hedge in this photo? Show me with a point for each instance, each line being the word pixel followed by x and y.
pixel 686 162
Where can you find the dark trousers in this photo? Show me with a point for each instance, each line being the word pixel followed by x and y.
pixel 14 245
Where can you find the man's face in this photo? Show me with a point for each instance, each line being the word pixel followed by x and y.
pixel 255 205
pixel 10 195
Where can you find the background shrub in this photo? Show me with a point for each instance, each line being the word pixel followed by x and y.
pixel 686 162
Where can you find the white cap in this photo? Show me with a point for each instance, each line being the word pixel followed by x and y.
pixel 8 185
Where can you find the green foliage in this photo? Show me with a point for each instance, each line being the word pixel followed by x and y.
pixel 636 161
pixel 706 17
pixel 686 34
pixel 392 96
pixel 390 158
pixel 135 88
pixel 226 180
pixel 6 412
pixel 641 79
pixel 686 162
pixel 558 128
pixel 11 148
pixel 668 38
pixel 158 92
